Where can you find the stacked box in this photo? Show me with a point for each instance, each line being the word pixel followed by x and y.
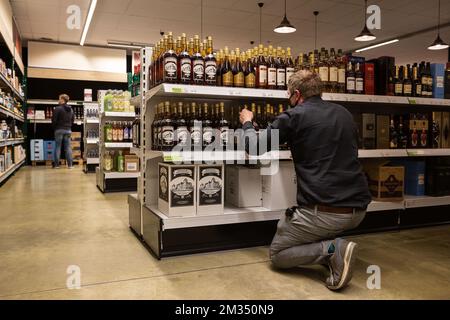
pixel 385 182
pixel 2 163
pixel 445 138
pixel 414 176
pixel 177 185
pixel 437 130
pixel 438 74
pixel 49 149
pixel 76 145
pixel 383 68
pixel 131 163
pixel 241 179
pixel 37 150
pixel 383 124
pixel 369 78
pixel 368 131
pixel 279 191
pixel 210 190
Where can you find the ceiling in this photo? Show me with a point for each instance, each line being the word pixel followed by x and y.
pixel 236 22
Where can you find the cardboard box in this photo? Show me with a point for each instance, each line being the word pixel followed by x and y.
pixel 131 163
pixel 279 191
pixel 438 74
pixel 210 190
pixel 239 180
pixel 39 115
pixel 418 131
pixel 88 95
pixel 37 150
pixel 369 78
pixel 177 185
pixel 436 130
pixel 385 182
pixel 383 139
pixel 414 176
pixel 383 68
pixel 445 138
pixel 368 131
pixel 438 180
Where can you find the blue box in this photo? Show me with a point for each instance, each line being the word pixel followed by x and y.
pixel 49 149
pixel 414 176
pixel 438 74
pixel 37 150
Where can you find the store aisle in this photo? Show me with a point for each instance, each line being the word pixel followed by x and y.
pixel 51 219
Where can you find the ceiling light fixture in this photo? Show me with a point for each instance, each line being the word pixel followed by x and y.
pixel 285 26
pixel 365 34
pixel 377 45
pixel 438 44
pixel 88 21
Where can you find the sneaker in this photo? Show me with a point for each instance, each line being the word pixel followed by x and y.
pixel 72 167
pixel 56 167
pixel 341 264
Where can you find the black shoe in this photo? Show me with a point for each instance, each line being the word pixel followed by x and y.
pixel 341 264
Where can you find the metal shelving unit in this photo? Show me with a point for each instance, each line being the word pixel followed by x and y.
pixel 90 144
pixel 239 227
pixel 9 113
pixel 11 142
pixel 113 181
pixel 5 175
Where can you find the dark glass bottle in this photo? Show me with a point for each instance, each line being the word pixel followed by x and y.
pixel 238 71
pixel 417 85
pixel 398 84
pixel 170 61
pixel 407 83
pixel 271 70
pixel 195 126
pixel 219 68
pixel 250 72
pixel 261 69
pixel 227 72
pixel 402 135
pixel 393 135
pixel 182 133
pixel 207 127
pixel 184 63
pixel 290 67
pixel 350 77
pixel 167 129
pixel 359 79
pixel 210 64
pixel 198 64
pixel 281 69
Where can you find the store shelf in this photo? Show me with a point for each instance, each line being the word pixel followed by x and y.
pixel 11 170
pixel 375 206
pixel 212 156
pixel 426 201
pixel 11 142
pixel 191 91
pixel 47 121
pixel 122 145
pixel 119 114
pixel 231 215
pixel 382 153
pixel 92 161
pixel 93 121
pixel 4 83
pixel 428 152
pixel 342 97
pixel 121 175
pixel 11 114
pixel 92 141
pixel 52 102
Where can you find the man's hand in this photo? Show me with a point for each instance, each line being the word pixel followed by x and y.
pixel 245 116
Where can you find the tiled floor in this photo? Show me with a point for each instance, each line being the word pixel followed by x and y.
pixel 52 219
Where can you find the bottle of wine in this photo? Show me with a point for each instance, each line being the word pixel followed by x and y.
pixel 398 84
pixel 223 127
pixel 351 80
pixel 271 70
pixel 227 72
pixel 195 127
pixel 184 63
pixel 261 69
pixel 170 61
pixel 333 71
pixel 167 129
pixel 238 71
pixel 181 132
pixel 290 68
pixel 198 63
pixel 407 83
pixel 359 79
pixel 210 65
pixel 250 72
pixel 208 132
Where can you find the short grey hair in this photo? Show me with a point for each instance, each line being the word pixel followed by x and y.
pixel 307 82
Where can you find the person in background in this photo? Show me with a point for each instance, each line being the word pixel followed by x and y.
pixel 62 121
pixel 332 190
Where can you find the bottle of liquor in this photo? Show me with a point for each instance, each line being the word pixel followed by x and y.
pixel 227 72
pixel 181 132
pixel 223 127
pixel 208 131
pixel 333 69
pixel 281 69
pixel 341 72
pixel 402 135
pixel 351 78
pixel 417 85
pixel 407 83
pixel 315 62
pixel 184 62
pixel 170 62
pixel 238 71
pixel 299 63
pixel 250 72
pixel 391 84
pixel 271 70
pixel 210 64
pixel 429 80
pixel 398 84
pixel 261 69
pixel 290 68
pixel 198 64
pixel 178 46
pixel 219 68
pixel 435 132
pixel 393 135
pixel 156 126
pixel 253 110
pixel 195 127
pixel 424 79
pixel 359 79
pixel 324 71
pixel 161 58
pixel 167 129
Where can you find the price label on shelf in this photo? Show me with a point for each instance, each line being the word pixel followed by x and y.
pixel 177 90
pixel 412 101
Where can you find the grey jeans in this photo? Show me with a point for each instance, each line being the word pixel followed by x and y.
pixel 304 238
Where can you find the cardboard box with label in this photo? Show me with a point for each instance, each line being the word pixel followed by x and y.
pixel 437 130
pixel 279 191
pixel 131 163
pixel 386 183
pixel 438 74
pixel 210 190
pixel 243 186
pixel 368 131
pixel 176 194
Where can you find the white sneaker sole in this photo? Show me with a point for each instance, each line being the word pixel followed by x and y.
pixel 347 273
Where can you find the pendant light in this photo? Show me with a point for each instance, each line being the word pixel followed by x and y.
pixel 285 26
pixel 365 34
pixel 316 13
pixel 260 5
pixel 438 44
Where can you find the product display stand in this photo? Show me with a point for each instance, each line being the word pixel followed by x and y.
pixel 242 227
pixel 91 140
pixel 114 181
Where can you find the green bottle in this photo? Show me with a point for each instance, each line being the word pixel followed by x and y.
pixel 108 101
pixel 120 162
